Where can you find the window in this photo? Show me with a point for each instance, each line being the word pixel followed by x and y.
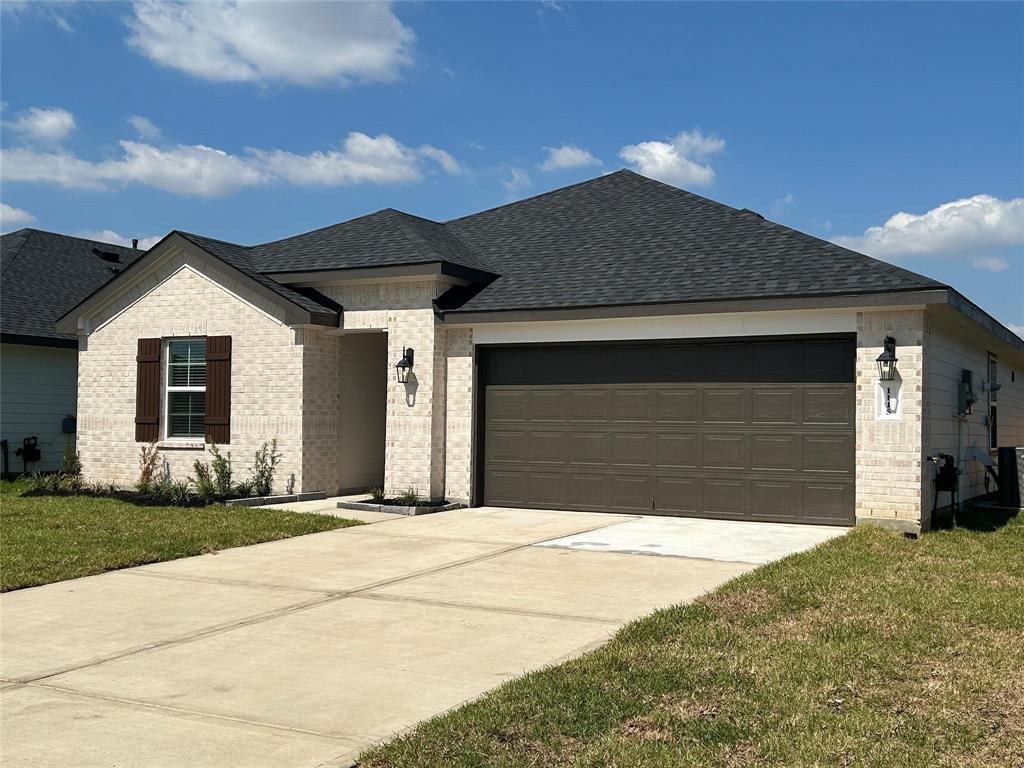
pixel 993 378
pixel 186 387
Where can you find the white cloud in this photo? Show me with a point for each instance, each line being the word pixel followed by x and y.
pixel 17 8
pixel 144 127
pixel 517 181
pixel 991 263
pixel 197 170
pixel 567 156
pixel 962 226
pixel 62 169
pixel 442 158
pixel 683 161
pixel 779 206
pixel 381 160
pixel 110 236
pixel 210 172
pixel 13 218
pixel 309 43
pixel 50 124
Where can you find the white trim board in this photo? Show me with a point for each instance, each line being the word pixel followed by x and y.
pixel 794 322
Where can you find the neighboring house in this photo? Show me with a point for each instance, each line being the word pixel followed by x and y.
pixel 617 345
pixel 43 276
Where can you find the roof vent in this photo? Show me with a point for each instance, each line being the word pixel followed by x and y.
pixel 114 258
pixel 752 213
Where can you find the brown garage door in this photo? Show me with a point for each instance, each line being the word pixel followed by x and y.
pixel 740 429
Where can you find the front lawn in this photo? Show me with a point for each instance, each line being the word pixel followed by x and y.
pixel 872 650
pixel 52 538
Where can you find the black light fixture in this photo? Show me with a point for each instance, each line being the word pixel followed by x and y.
pixel 887 360
pixel 403 366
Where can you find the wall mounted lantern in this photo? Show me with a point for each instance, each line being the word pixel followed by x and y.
pixel 403 366
pixel 887 360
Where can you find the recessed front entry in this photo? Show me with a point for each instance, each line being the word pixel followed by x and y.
pixel 735 429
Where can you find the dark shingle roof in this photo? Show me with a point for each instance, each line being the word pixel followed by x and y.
pixel 384 238
pixel 45 274
pixel 624 239
pixel 620 239
pixel 241 258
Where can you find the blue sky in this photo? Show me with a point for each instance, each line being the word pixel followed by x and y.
pixel 268 120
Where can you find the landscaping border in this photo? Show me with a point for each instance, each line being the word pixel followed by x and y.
pixel 366 506
pixel 266 501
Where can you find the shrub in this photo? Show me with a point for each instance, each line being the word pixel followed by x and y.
pixel 377 495
pixel 71 464
pixel 205 486
pixel 263 468
pixel 221 472
pixel 56 482
pixel 410 498
pixel 149 460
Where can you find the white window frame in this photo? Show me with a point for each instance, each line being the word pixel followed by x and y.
pixel 168 389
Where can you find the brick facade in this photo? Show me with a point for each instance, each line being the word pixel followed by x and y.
pixel 459 414
pixel 189 297
pixel 889 458
pixel 414 447
pixel 288 383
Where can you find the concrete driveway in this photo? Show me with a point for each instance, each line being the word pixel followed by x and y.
pixel 302 652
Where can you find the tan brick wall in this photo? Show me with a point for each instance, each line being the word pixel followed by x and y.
pixel 459 414
pixel 414 450
pixel 321 411
pixel 889 450
pixel 186 297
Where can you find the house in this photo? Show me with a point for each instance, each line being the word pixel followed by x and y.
pixel 43 276
pixel 617 345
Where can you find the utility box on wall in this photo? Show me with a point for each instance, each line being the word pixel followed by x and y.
pixel 966 397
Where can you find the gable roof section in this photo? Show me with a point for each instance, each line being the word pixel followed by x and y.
pixel 322 310
pixel 44 275
pixel 623 239
pixel 385 238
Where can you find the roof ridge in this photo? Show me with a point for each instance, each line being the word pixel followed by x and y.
pixel 18 248
pixel 796 233
pixel 542 194
pixel 864 258
pixel 323 228
pixel 414 237
pixel 183 233
pixel 37 231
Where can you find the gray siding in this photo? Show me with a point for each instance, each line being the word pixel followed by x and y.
pixel 38 387
pixel 951 345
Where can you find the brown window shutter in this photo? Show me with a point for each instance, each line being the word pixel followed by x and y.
pixel 218 389
pixel 147 391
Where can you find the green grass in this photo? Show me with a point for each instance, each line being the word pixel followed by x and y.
pixel 51 538
pixel 871 650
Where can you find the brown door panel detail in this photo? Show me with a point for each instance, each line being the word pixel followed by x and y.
pixel 771 450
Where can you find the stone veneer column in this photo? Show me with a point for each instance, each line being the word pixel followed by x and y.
pixel 889 450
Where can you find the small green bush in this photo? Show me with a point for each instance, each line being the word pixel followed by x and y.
pixel 71 463
pixel 410 498
pixel 377 495
pixel 204 484
pixel 263 468
pixel 221 466
pixel 149 463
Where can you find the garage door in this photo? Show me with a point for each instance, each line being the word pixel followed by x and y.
pixel 736 429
